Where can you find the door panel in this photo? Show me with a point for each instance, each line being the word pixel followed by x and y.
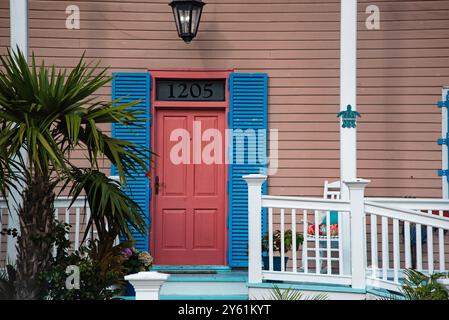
pixel 190 219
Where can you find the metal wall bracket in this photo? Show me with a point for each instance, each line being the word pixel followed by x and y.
pixel 444 104
pixel 443 173
pixel 444 141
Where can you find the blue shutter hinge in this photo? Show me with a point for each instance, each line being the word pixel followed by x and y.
pixel 444 104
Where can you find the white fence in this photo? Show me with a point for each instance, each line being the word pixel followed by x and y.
pixel 76 216
pixel 386 237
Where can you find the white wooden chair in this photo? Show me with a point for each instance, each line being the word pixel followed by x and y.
pixel 332 190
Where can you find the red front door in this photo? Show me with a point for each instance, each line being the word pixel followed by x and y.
pixel 189 222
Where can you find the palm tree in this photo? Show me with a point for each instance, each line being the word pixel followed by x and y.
pixel 50 114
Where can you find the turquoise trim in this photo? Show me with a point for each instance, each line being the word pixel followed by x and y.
pixel 176 278
pixel 213 297
pixel 191 268
pixel 307 287
pixel 382 293
pixel 130 298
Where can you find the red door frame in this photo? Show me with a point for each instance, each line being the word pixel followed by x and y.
pixel 188 74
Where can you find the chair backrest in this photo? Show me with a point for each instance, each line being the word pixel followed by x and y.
pixel 332 190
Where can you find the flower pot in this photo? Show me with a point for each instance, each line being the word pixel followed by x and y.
pixel 129 290
pixel 277 265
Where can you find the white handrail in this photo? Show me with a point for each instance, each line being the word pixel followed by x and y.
pixel 407 215
pixel 412 204
pixel 304 203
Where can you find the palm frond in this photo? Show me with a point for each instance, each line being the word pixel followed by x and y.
pixel 293 294
pixel 110 206
pixel 418 286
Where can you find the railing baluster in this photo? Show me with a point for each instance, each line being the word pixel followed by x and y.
pixel 396 250
pixel 418 247
pixel 77 228
pixel 340 245
pixel 56 214
pixel 270 238
pixel 294 245
pixel 441 246
pixel 282 240
pixel 385 249
pixel 374 249
pixel 67 220
pixel 407 245
pixel 430 247
pixel 328 242
pixel 1 229
pixel 87 221
pixel 305 247
pixel 317 244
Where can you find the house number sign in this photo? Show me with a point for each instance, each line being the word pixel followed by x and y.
pixel 190 89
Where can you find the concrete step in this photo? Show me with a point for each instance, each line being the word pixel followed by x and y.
pixel 219 286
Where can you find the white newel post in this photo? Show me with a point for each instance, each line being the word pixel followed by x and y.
pixel 348 96
pixel 357 232
pixel 147 284
pixel 255 182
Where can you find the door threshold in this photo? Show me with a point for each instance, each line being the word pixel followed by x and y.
pixel 191 268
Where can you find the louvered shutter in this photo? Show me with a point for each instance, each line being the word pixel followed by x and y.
pixel 248 110
pixel 135 86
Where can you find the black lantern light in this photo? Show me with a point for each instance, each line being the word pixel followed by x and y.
pixel 187 17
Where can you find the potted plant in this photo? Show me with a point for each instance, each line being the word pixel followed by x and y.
pixel 135 261
pixel 288 242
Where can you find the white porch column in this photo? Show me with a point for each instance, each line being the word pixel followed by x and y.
pixel 357 235
pixel 255 182
pixel 19 39
pixel 348 96
pixel 147 284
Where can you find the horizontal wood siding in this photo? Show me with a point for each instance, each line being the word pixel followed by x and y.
pixel 401 69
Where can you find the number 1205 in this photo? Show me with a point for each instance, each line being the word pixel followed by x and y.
pixel 190 90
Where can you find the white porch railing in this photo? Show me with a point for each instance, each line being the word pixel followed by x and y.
pixel 304 215
pixel 76 216
pixel 400 238
pixel 386 237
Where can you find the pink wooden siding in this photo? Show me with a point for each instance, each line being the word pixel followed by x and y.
pixel 402 68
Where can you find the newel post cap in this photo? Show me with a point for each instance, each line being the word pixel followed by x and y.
pixel 147 276
pixel 357 183
pixel 255 179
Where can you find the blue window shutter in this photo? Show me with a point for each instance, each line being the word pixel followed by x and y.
pixel 248 110
pixel 132 87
